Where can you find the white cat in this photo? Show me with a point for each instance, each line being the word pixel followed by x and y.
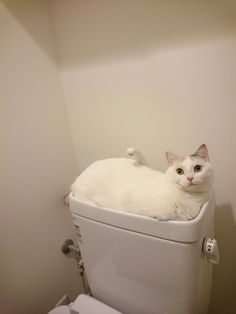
pixel 128 184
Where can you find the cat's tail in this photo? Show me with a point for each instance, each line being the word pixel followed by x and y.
pixel 136 155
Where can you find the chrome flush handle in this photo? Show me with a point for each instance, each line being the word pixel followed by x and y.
pixel 210 248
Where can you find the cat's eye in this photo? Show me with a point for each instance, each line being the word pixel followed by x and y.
pixel 197 168
pixel 180 171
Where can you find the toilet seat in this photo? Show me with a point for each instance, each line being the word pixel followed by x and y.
pixel 85 304
pixel 62 309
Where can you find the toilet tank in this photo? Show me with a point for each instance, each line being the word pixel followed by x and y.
pixel 139 265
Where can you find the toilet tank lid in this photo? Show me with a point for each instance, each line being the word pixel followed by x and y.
pixel 179 231
pixel 85 304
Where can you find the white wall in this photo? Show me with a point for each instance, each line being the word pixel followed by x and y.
pixel 37 165
pixel 156 75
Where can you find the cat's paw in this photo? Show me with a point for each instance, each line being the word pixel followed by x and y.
pixel 154 217
pixel 160 217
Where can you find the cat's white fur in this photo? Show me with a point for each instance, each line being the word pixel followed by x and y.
pixel 128 184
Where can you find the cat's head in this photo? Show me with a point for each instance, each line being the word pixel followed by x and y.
pixel 192 173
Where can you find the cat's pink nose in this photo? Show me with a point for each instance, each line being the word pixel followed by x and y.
pixel 190 179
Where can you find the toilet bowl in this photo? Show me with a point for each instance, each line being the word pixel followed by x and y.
pixel 84 304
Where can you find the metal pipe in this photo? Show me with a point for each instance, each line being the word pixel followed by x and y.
pixel 69 246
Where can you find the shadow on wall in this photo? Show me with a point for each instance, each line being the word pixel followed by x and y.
pixel 101 31
pixel 224 274
pixel 35 25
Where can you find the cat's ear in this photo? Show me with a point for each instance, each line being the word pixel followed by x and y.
pixel 171 158
pixel 202 152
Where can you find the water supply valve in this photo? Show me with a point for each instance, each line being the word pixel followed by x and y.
pixel 69 246
pixel 210 248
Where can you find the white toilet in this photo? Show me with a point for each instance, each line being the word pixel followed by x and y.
pixel 138 265
pixel 84 304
